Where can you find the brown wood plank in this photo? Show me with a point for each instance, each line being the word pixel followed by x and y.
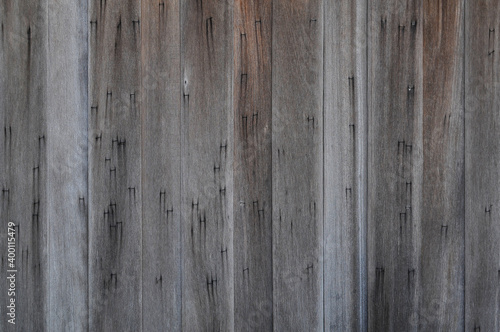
pixel 114 166
pixel 394 164
pixel 253 278
pixel 24 167
pixel 66 144
pixel 161 177
pixel 345 165
pixel 482 152
pixel 206 165
pixel 441 268
pixel 297 174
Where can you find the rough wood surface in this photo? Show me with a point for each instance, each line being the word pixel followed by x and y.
pixel 345 185
pixel 394 164
pixel 440 286
pixel 243 165
pixel 66 153
pixel 23 102
pixel 297 156
pixel 252 167
pixel 206 166
pixel 115 222
pixel 161 176
pixel 482 201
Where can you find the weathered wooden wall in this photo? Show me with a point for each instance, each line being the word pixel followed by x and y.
pixel 251 165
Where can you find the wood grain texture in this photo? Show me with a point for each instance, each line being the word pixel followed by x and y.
pixel 66 144
pixel 394 164
pixel 441 269
pixel 482 155
pixel 24 167
pixel 115 227
pixel 297 173
pixel 345 81
pixel 206 166
pixel 252 167
pixel 242 165
pixel 161 176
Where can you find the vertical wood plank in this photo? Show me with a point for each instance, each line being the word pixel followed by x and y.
pixel 23 102
pixel 160 107
pixel 482 155
pixel 297 173
pixel 206 165
pixel 441 268
pixel 394 164
pixel 253 278
pixel 345 165
pixel 115 166
pixel 67 166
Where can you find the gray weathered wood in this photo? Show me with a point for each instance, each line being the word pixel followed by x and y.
pixel 345 165
pixel 482 156
pixel 297 173
pixel 440 286
pixel 206 166
pixel 305 165
pixel 161 177
pixel 115 232
pixel 24 167
pixel 66 153
pixel 394 164
pixel 253 278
